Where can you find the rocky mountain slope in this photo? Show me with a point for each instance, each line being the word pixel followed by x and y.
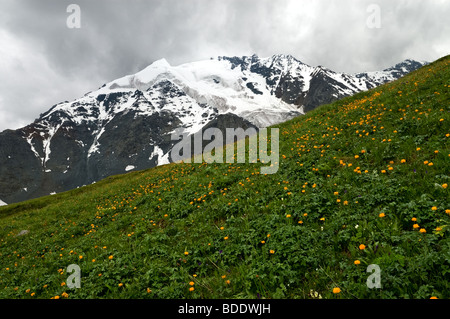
pixel 127 123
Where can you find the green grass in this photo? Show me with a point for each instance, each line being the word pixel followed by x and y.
pixel 230 232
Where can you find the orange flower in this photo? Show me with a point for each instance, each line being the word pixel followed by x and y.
pixel 336 290
pixel 362 247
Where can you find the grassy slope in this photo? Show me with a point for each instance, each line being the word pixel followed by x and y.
pixel 235 233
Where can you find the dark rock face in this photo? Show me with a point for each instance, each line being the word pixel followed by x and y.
pixel 122 129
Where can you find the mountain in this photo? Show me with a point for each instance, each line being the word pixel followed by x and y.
pixel 127 123
pixel 362 187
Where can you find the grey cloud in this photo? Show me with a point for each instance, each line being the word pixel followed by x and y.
pixel 121 37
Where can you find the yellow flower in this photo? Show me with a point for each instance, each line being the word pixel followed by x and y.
pixel 434 208
pixel 416 226
pixel 300 221
pixel 422 230
pixel 263 241
pixel 272 251
pixel 149 290
pixel 191 283
pixel 403 161
pixel 444 186
pixel 186 253
pixel 362 247
pixel 225 238
pixel 110 257
pixel 356 262
pixel 382 215
pixel 191 289
pixel 414 219
pixel 433 297
pixel 447 211
pixel 336 290
pixel 288 215
pixel 228 282
pixel 121 284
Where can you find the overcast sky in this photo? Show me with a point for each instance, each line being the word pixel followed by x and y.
pixel 43 61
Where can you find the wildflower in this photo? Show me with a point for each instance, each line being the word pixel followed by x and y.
pixel 225 238
pixel 362 247
pixel 433 297
pixel 228 282
pixel 403 161
pixel 110 257
pixel 416 226
pixel 224 276
pixel 263 241
pixel 149 290
pixel 191 283
pixel 336 290
pixel 434 208
pixel 414 219
pixel 422 230
pixel 272 251
pixel 300 222
pixel 357 262
pixel 438 229
pixel 288 216
pixel 186 253
pixel 444 186
pixel 382 215
pixel 447 211
pixel 120 284
pixel 191 289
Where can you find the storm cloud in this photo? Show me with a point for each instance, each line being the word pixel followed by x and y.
pixel 43 61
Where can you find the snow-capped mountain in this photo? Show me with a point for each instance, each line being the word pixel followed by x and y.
pixel 127 123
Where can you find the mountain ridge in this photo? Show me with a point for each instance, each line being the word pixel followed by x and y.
pixel 80 142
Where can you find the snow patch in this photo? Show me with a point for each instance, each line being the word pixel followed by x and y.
pixel 2 203
pixel 129 168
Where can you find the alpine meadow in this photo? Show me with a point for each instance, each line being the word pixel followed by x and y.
pixel 361 193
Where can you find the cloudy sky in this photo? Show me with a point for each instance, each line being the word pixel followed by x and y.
pixel 43 61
